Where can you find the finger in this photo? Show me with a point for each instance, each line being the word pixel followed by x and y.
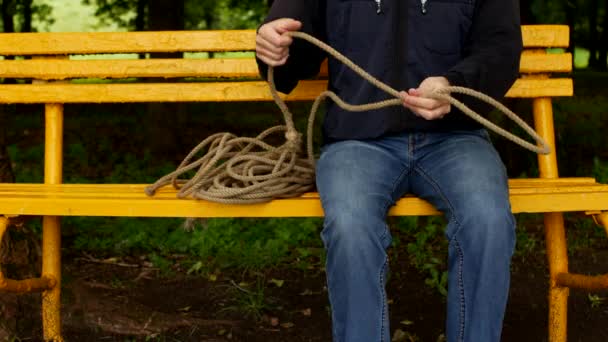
pixel 264 44
pixel 273 62
pixel 271 55
pixel 414 92
pixel 276 39
pixel 274 35
pixel 423 102
pixel 288 24
pixel 433 114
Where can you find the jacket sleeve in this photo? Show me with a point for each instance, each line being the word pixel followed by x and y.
pixel 304 58
pixel 493 51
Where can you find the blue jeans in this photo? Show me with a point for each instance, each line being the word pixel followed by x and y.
pixel 458 172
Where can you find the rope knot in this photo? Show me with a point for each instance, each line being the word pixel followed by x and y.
pixel 294 140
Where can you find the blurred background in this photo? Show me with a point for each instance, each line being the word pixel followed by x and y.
pixel 263 279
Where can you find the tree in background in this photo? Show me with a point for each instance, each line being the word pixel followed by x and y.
pixel 603 51
pixel 198 14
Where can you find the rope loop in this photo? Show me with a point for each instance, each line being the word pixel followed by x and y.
pixel 240 170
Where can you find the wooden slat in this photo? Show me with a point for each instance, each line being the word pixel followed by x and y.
pixel 545 63
pixel 544 36
pixel 167 68
pixel 529 88
pixel 66 43
pixel 217 68
pixel 113 190
pixel 130 200
pixel 212 92
pixel 185 41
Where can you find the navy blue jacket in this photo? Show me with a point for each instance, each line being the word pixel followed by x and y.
pixel 473 43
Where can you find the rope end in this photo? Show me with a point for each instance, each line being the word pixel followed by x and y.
pixel 150 191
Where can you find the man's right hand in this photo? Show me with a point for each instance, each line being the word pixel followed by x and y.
pixel 272 46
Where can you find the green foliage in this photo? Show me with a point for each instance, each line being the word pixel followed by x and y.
pixel 600 170
pixel 26 163
pixel 251 303
pixel 199 15
pixel 120 12
pixel 428 250
pixel 584 233
pixel 250 244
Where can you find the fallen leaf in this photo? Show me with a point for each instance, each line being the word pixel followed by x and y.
pixel 398 336
pixel 306 292
pixel 404 336
pixel 185 309
pixel 274 321
pixel 307 312
pixel 277 282
pixel 288 325
pixel 407 322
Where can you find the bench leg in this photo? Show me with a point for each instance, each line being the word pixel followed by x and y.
pixel 555 235
pixel 557 255
pixel 51 267
pixel 51 233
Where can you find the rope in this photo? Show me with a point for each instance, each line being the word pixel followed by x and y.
pixel 242 170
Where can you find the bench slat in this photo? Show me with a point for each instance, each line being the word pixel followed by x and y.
pixel 214 68
pixel 124 189
pixel 74 43
pixel 542 36
pixel 213 92
pixel 545 63
pixel 129 200
pixel 64 43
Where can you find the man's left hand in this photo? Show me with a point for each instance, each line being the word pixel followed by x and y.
pixel 430 109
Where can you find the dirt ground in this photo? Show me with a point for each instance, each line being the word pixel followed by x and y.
pixel 108 302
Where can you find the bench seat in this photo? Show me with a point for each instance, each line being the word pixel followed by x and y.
pixel 129 200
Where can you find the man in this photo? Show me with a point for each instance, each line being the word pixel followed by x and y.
pixel 371 159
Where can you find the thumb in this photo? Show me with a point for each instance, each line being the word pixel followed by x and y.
pixel 287 25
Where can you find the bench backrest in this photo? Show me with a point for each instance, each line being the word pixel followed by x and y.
pixel 226 77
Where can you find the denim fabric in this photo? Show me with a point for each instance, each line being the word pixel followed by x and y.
pixel 458 172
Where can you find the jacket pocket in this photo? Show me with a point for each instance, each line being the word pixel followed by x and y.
pixel 445 25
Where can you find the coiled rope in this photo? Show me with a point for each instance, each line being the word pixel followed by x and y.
pixel 240 170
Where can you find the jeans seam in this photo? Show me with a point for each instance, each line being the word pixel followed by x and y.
pixel 435 186
pixel 461 288
pixel 388 203
pixel 383 296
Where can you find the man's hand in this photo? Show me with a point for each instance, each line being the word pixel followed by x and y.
pixel 430 109
pixel 272 47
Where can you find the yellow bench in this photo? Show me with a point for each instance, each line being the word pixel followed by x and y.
pixel 237 80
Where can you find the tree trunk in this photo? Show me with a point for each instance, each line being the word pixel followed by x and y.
pixel 140 18
pixel 593 34
pixel 8 11
pixel 603 55
pixel 27 16
pixel 164 118
pixel 571 9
